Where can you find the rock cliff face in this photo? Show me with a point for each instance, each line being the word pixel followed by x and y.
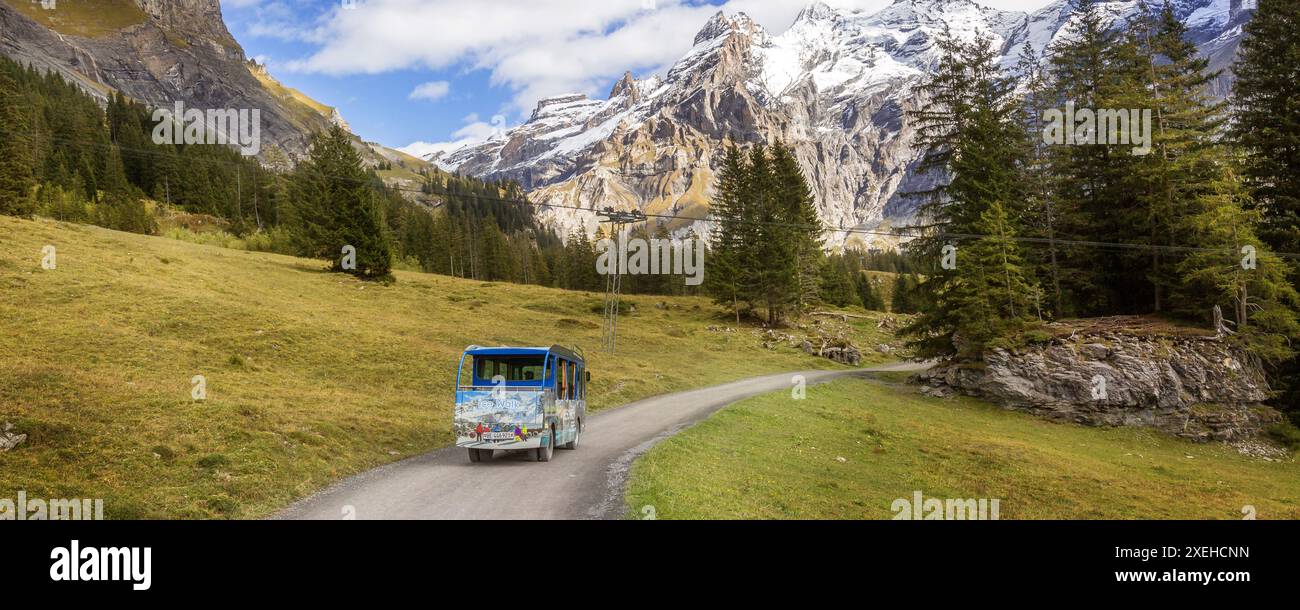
pixel 1193 386
pixel 835 85
pixel 157 52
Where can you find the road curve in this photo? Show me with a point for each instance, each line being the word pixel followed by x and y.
pixel 587 483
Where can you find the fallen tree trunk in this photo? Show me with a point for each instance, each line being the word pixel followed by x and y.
pixel 841 315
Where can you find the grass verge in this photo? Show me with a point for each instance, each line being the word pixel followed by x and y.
pixel 854 446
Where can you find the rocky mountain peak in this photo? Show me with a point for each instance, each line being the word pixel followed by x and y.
pixel 941 4
pixel 168 9
pixel 560 105
pixel 722 24
pixel 817 11
pixel 625 86
pixel 198 18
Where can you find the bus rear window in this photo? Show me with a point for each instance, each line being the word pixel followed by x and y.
pixel 513 368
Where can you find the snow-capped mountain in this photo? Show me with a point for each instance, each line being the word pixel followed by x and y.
pixel 835 86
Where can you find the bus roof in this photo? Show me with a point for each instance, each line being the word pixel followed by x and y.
pixel 559 350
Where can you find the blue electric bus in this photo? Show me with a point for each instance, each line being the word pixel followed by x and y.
pixel 520 399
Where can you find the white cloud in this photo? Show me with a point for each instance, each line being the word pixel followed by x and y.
pixel 431 91
pixel 537 49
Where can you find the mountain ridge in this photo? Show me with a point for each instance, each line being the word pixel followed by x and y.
pixel 835 86
pixel 159 52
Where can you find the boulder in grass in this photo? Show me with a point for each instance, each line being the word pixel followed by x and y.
pixel 9 440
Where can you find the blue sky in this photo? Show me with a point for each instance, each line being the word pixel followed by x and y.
pixel 442 71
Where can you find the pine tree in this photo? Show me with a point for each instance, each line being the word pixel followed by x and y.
pixel 16 162
pixel 803 228
pixel 580 264
pixel 1267 118
pixel 989 300
pixel 1042 213
pixel 770 269
pixel 1185 156
pixel 971 129
pixel 120 208
pixel 836 283
pixel 494 253
pixel 729 238
pixel 1266 126
pixel 1263 303
pixel 904 298
pixel 869 292
pixel 334 205
pixel 1096 67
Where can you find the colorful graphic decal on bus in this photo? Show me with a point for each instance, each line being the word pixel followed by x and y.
pixel 498 416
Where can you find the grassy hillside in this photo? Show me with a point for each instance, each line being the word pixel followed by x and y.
pixel 307 114
pixel 311 376
pixel 86 18
pixel 772 457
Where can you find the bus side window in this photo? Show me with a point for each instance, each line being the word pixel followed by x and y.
pixel 582 384
pixel 573 390
pixel 568 382
pixel 561 380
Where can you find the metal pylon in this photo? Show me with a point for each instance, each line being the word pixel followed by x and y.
pixel 614 281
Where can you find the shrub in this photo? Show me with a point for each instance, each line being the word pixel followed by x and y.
pixel 1285 433
pixel 213 460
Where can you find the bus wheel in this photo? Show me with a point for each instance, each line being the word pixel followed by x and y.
pixel 577 431
pixel 480 455
pixel 544 453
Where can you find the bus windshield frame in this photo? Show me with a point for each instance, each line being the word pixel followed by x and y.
pixel 515 368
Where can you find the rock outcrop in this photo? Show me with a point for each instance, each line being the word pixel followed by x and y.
pixel 1191 385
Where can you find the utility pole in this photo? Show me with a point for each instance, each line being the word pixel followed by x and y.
pixel 614 281
pixel 239 195
pixel 256 212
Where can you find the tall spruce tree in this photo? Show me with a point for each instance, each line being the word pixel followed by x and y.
pixel 1266 121
pixel 836 282
pixel 770 270
pixel 989 299
pixel 803 230
pixel 905 298
pixel 1041 211
pixel 1266 126
pixel 729 238
pixel 766 245
pixel 334 206
pixel 1095 67
pixel 971 128
pixel 1263 304
pixel 1186 157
